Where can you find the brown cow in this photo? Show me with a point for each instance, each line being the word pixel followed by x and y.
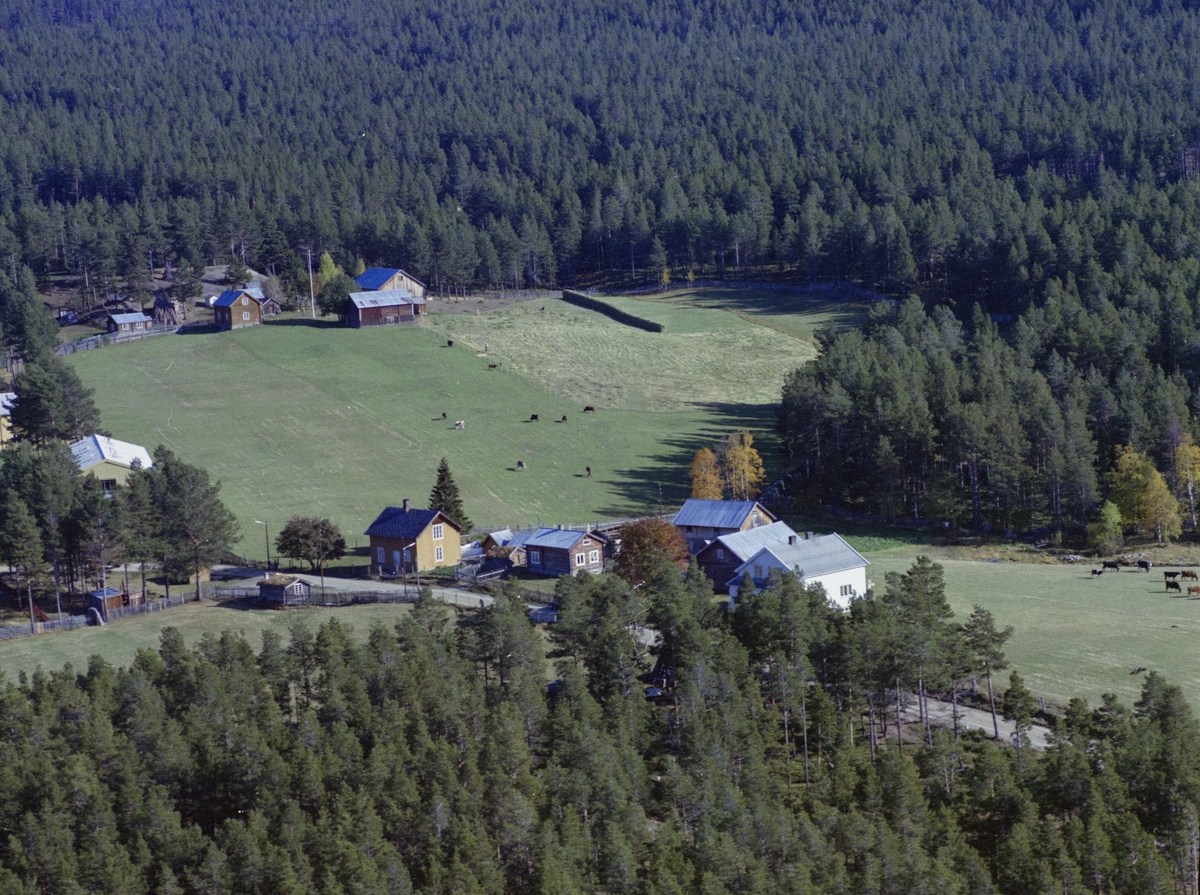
pixel 564 419
pixel 1189 575
pixel 1193 589
pixel 589 409
pixel 1173 586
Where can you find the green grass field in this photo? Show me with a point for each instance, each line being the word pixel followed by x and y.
pixel 1075 635
pixel 316 419
pixel 119 641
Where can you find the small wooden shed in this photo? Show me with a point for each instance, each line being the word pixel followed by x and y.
pixel 287 590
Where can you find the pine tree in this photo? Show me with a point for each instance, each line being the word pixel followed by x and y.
pixel 21 544
pixel 445 497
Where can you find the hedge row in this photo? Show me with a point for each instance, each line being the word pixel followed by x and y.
pixel 594 304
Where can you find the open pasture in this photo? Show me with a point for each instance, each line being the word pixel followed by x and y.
pixel 119 642
pixel 704 356
pixel 294 417
pixel 1075 635
pixel 794 312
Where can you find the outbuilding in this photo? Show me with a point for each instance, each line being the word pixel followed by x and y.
pixel 136 322
pixel 701 521
pixel 382 279
pixel 287 590
pixel 382 308
pixel 564 551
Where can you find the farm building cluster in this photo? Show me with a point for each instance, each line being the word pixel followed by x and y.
pixel 730 540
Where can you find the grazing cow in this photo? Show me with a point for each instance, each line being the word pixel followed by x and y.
pixel 1111 564
pixel 533 418
pixel 1193 589
pixel 1096 573
pixel 1170 575
pixel 1174 586
pixel 520 465
pixel 491 366
pixel 1189 575
pixel 460 424
pixel 589 409
pixel 1144 564
pixel 1138 670
pixel 589 471
pixel 444 415
pixel 449 343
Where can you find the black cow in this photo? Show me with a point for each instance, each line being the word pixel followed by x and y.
pixel 589 409
pixel 520 464
pixel 1173 586
pixel 1144 565
pixel 533 418
pixel 1111 564
pixel 1096 573
pixel 1170 575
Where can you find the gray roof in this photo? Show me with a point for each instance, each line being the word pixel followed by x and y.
pixel 744 544
pixel 556 538
pixel 505 537
pixel 135 317
pixel 389 298
pixel 98 448
pixel 716 513
pixel 821 555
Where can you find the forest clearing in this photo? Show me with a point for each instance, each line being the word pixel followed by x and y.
pixel 297 418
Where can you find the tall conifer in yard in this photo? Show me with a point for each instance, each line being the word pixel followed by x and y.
pixel 21 544
pixel 445 497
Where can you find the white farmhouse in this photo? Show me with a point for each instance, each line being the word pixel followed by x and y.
pixel 820 559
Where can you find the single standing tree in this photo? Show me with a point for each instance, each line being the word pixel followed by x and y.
pixel 197 527
pixel 334 293
pixel 987 644
pixel 445 497
pixel 644 544
pixel 21 544
pixel 1019 707
pixel 742 465
pixel 1104 536
pixel 140 524
pixel 706 476
pixel 312 539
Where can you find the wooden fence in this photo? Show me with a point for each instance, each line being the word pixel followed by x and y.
pixel 46 627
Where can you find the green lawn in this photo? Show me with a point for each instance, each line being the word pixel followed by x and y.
pixel 119 641
pixel 705 356
pixel 316 419
pixel 1075 635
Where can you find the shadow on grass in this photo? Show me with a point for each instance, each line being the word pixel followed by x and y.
pixel 314 323
pixel 206 329
pixel 844 308
pixel 665 474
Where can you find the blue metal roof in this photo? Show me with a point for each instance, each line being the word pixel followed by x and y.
pixel 716 513
pixel 557 538
pixel 394 522
pixel 229 297
pixel 374 277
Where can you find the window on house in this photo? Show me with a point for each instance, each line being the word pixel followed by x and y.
pixel 846 590
pixel 245 300
pixel 535 557
pixel 437 533
pixel 593 557
pixel 109 485
pixel 379 555
pixel 579 558
pixel 720 553
pixel 245 315
pixel 758 572
pixel 437 553
pixel 586 542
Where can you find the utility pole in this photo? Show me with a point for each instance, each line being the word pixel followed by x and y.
pixel 312 295
pixel 267 537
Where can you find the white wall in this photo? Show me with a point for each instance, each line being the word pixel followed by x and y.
pixel 855 578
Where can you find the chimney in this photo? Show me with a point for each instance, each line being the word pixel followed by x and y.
pixel 807 534
pixel 405 505
pixel 791 540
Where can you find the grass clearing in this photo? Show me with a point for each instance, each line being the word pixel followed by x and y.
pixel 705 356
pixel 119 642
pixel 1075 635
pixel 307 417
pixel 796 313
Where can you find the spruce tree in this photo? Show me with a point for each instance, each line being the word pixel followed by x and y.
pixel 445 497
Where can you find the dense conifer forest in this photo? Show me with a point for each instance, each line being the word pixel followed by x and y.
pixel 1028 164
pixel 433 758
